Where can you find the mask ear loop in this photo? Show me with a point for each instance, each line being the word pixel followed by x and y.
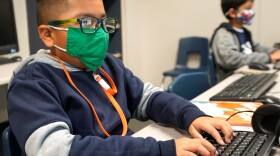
pixel 109 94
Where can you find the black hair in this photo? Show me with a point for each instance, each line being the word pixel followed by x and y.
pixel 48 10
pixel 228 4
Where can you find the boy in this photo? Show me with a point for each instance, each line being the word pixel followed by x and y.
pixel 60 102
pixel 232 44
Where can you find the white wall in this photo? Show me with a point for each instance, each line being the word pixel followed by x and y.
pixel 269 24
pixel 152 28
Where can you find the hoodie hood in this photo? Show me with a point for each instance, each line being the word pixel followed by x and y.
pixel 229 28
pixel 42 57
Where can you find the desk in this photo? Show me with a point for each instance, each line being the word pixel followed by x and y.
pixel 6 71
pixel 166 133
pixel 274 91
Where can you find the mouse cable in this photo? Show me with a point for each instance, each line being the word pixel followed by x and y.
pixel 238 113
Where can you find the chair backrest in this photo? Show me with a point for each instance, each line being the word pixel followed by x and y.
pixel 191 45
pixel 10 145
pixel 212 69
pixel 189 85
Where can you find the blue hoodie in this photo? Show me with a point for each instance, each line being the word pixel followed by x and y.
pixel 49 117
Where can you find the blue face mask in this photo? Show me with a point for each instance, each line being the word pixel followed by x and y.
pixel 246 16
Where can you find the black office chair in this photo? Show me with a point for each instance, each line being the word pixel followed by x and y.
pixel 190 85
pixel 188 46
pixel 10 145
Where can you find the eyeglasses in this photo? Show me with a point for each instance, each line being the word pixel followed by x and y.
pixel 89 24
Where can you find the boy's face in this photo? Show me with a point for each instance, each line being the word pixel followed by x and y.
pixel 246 6
pixel 235 14
pixel 76 9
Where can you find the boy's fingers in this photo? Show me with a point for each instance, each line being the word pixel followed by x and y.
pixel 216 135
pixel 228 134
pixel 194 133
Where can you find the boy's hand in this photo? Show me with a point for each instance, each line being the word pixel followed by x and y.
pixel 211 126
pixel 191 147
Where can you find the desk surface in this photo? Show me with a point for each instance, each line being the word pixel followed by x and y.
pixel 166 133
pixel 163 133
pixel 274 91
pixel 6 72
pixel 160 132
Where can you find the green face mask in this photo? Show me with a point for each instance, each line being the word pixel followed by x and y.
pixel 90 49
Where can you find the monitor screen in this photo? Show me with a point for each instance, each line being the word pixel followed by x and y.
pixel 8 33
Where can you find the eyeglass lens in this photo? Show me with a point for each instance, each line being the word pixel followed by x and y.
pixel 90 24
pixel 109 25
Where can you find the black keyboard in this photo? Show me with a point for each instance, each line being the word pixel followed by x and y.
pixel 245 144
pixel 4 60
pixel 247 88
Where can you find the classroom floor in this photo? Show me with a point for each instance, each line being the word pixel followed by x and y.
pixel 136 125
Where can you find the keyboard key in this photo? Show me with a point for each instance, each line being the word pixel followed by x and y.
pixel 247 88
pixel 245 144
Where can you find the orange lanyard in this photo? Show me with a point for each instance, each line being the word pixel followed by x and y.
pixel 109 93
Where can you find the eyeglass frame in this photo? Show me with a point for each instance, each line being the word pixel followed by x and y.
pixel 79 20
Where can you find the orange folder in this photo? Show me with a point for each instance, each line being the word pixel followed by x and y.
pixel 224 109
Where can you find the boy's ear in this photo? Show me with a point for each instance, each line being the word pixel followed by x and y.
pixel 232 13
pixel 45 35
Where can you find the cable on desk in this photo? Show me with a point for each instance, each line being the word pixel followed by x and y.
pixel 238 113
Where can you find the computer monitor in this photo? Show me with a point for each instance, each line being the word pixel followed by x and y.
pixel 8 33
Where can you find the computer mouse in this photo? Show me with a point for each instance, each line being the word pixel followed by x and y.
pixel 258 66
pixel 16 58
pixel 268 99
